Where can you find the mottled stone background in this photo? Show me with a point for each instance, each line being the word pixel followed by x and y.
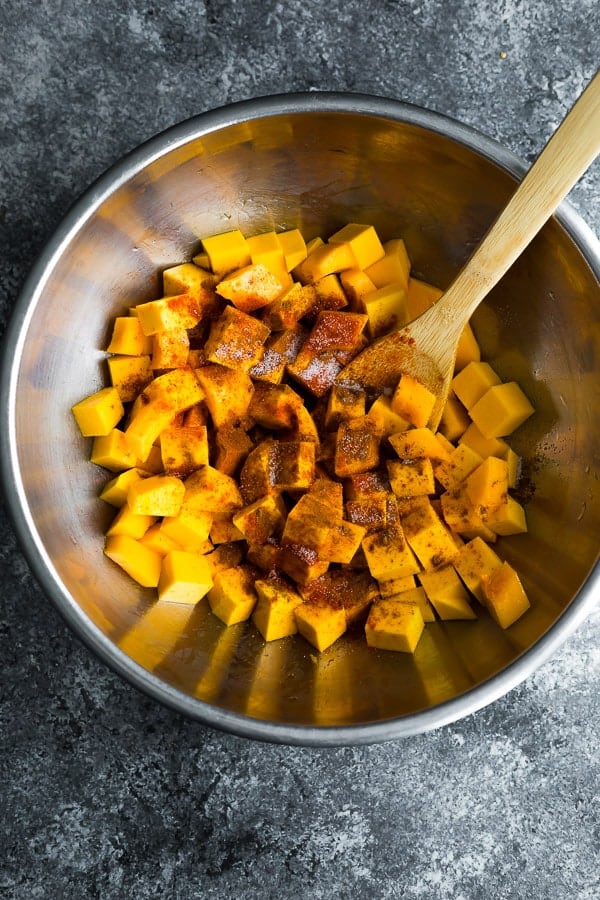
pixel 104 794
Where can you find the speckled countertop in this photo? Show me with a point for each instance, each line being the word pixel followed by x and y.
pixel 105 794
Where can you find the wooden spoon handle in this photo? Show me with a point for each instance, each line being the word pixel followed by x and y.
pixel 566 156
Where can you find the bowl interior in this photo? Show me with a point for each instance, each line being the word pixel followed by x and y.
pixel 315 169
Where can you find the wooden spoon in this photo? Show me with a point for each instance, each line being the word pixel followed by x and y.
pixel 426 348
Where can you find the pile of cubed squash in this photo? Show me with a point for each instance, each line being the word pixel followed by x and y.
pixel 241 470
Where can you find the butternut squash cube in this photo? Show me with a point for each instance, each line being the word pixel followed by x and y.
pixel 370 513
pixel 274 406
pixel 232 597
pixel 316 373
pixel 250 287
pixel 474 439
pixel 506 518
pixel 128 338
pixel 463 517
pixel 130 524
pixel 419 443
pixel 415 595
pixel 140 563
pixel 468 349
pixel 363 241
pixel 426 534
pixel 183 449
pixel 273 614
pixel 504 595
pixel 190 278
pixel 293 247
pixel 170 349
pixel 99 413
pixel 393 625
pixel 226 251
pixel 451 472
pixel 413 401
pixel 454 420
pixel 321 624
pixel 112 451
pixel 293 465
pixel 354 591
pixel 261 519
pixel 232 447
pixel 266 249
pixel 342 404
pixel 446 593
pixel 501 410
pixel 280 350
pixel 189 528
pixel 166 313
pixel 130 375
pixel 286 310
pixel 393 267
pixel 115 490
pixel 356 285
pixel 386 308
pixel 420 295
pixel 330 295
pixel 473 382
pixel 227 392
pixel 366 485
pixel 156 540
pixel 388 554
pixel 389 587
pixel 357 447
pixel 475 562
pixel 236 340
pixel 411 478
pixel 157 495
pixel 184 577
pixel 487 485
pixel 301 562
pixel 385 420
pixel 212 491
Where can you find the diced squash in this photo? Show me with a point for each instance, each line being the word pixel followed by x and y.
pixel 356 285
pixel 474 439
pixel 227 393
pixel 446 593
pixel 392 267
pixel 388 554
pixel 363 241
pixel 386 308
pixel 184 577
pixel 506 518
pixel 250 287
pixel 357 447
pixel 236 340
pixel 189 528
pixel 190 278
pixel 157 495
pixel 261 519
pixel 504 595
pixel 451 472
pixel 371 513
pixel 158 404
pixel 226 251
pixel 99 413
pixel 501 410
pixel 475 562
pixel 130 524
pixel 385 420
pixel 342 404
pixel 274 406
pixel 293 247
pixel 454 420
pixel 212 491
pixel 389 587
pixel 321 624
pixel 112 451
pixel 115 490
pixel 232 447
pixel 413 401
pixel 420 296
pixel 128 338
pixel 130 375
pixel 472 382
pixel 140 563
pixel 184 449
pixel 468 349
pixel 411 478
pixel 291 306
pixel 166 313
pixel 266 249
pixel 426 534
pixel 418 443
pixel 487 485
pixel 232 597
pixel 170 349
pixel 280 350
pixel 273 614
pixel 393 625
pixel 156 540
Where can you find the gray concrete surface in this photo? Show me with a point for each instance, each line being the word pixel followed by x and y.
pixel 103 793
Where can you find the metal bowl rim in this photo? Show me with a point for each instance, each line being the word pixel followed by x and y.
pixel 313 102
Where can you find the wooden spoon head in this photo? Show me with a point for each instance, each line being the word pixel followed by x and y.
pixel 377 369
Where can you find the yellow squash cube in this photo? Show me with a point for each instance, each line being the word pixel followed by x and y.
pixel 385 420
pixel 321 624
pixel 413 401
pixel 170 348
pixel 388 554
pixel 393 625
pixel 112 451
pixel 386 308
pixel 451 472
pixel 184 449
pixel 130 375
pixel 130 524
pixel 487 485
pixel 140 563
pixel 166 313
pixel 232 597
pixel 363 241
pixel 411 478
pixel 274 611
pixel 416 595
pixel 250 287
pixel 504 595
pixel 393 267
pixel 446 593
pixel 157 495
pixel 115 491
pixel 475 562
pixel 428 537
pixel 209 490
pixel 236 339
pixel 473 382
pixel 99 413
pixel 420 296
pixel 184 577
pixel 227 393
pixel 419 443
pixel 454 420
pixel 128 338
pixel 189 278
pixel 388 587
pixel 501 410
pixel 189 528
pixel 261 519
pixel 293 247
pixel 227 251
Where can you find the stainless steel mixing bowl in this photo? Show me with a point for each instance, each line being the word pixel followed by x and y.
pixel 315 161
